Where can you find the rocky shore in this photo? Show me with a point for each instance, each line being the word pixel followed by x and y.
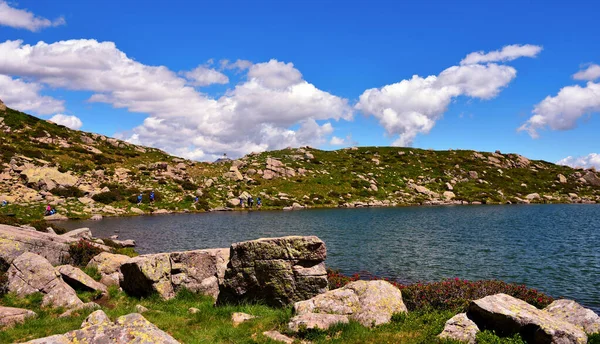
pixel 279 272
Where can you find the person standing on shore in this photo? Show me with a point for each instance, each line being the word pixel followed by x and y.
pixel 241 202
pixel 250 202
pixel 152 196
pixel 258 202
pixel 139 199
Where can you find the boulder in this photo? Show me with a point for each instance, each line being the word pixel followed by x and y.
pixel 136 210
pixel 81 233
pixel 109 267
pixel 592 179
pixel 572 312
pixel 14 241
pixel 278 271
pixel 473 175
pixel 562 179
pixel 320 321
pixel 56 217
pixel 30 273
pixel 371 303
pixel 96 217
pixel 278 337
pixel 199 271
pixel 507 316
pixel 448 195
pixel 132 328
pixel 10 316
pixel 125 243
pixel 47 177
pixel 533 196
pixel 460 328
pixel 78 279
pixel 239 317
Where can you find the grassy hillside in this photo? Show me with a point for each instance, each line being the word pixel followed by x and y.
pixel 83 174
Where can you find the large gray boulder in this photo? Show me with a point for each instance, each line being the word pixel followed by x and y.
pixel 321 321
pixel 572 312
pixel 460 328
pixel 278 271
pixel 109 267
pixel 10 316
pixel 98 329
pixel 79 280
pixel 371 303
pixel 81 233
pixel 507 316
pixel 200 271
pixel 30 273
pixel 14 241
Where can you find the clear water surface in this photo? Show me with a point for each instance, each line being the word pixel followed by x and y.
pixel 554 248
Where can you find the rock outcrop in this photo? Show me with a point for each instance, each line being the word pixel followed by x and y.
pixel 460 328
pixel 109 267
pixel 199 271
pixel 371 303
pixel 30 273
pixel 507 316
pixel 78 279
pixel 98 329
pixel 10 316
pixel 14 241
pixel 47 178
pixel 278 271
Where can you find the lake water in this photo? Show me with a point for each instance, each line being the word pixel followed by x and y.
pixel 554 248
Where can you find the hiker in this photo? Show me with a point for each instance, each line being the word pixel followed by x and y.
pixel 152 196
pixel 241 202
pixel 250 201
pixel 258 202
pixel 48 210
pixel 196 199
pixel 4 203
pixel 139 199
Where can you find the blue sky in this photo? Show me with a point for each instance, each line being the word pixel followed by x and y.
pixel 339 50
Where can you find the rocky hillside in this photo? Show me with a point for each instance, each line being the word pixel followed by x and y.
pixel 84 174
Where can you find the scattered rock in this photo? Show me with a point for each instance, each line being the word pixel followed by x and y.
pixel 473 175
pixel 96 318
pixel 96 217
pixel 30 273
pixel 78 279
pixel 132 328
pixel 572 312
pixel 460 328
pixel 448 195
pixel 562 179
pixel 278 271
pixel 193 310
pixel 239 317
pixel 136 210
pixel 140 309
pixel 278 337
pixel 109 267
pixel 10 316
pixel 316 320
pixel 81 233
pixel 56 217
pixel 125 243
pixel 371 303
pixel 507 316
pixel 533 196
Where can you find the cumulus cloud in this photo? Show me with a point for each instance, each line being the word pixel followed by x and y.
pixel 72 122
pixel 508 53
pixel 561 112
pixel 25 96
pixel 591 73
pixel 587 161
pixel 413 106
pixel 23 19
pixel 337 141
pixel 204 76
pixel 257 114
pixel 239 64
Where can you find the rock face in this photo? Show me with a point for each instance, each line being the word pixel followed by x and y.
pixel 14 241
pixel 78 279
pixel 507 315
pixel 30 273
pixel 572 312
pixel 460 328
pixel 109 267
pixel 371 303
pixel 10 316
pixel 199 271
pixel 278 271
pixel 98 329
pixel 592 179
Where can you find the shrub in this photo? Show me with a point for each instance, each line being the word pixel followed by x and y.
pixel 108 197
pixel 187 185
pixel 93 272
pixel 82 252
pixel 450 294
pixel 68 191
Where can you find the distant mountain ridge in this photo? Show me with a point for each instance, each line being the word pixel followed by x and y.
pixel 83 174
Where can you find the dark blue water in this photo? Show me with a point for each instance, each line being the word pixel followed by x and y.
pixel 554 248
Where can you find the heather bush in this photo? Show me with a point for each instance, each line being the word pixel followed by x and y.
pixel 450 294
pixel 82 252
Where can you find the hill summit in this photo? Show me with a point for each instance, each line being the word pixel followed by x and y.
pixel 84 174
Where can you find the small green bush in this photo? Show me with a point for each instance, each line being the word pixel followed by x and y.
pixel 93 272
pixel 82 252
pixel 108 197
pixel 68 191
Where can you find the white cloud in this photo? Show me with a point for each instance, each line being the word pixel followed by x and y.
pixel 255 115
pixel 591 73
pixel 562 111
pixel 22 19
pixel 587 161
pixel 508 53
pixel 239 64
pixel 204 76
pixel 72 122
pixel 24 96
pixel 337 141
pixel 413 106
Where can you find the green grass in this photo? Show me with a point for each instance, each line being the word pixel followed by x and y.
pixel 213 324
